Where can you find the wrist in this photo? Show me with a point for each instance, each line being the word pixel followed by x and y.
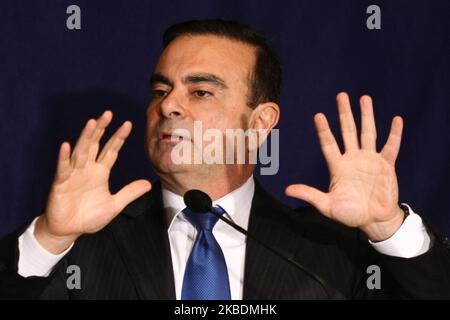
pixel 380 231
pixel 50 242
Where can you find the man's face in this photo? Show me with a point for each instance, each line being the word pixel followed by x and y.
pixel 198 78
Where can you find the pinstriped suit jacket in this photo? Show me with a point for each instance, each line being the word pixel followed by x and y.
pixel 130 259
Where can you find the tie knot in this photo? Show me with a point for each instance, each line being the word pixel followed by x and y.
pixel 202 221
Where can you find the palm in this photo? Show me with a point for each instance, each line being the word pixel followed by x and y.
pixel 363 187
pixel 80 200
pixel 361 183
pixel 83 201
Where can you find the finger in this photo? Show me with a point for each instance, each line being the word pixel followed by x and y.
pixel 109 154
pixel 392 146
pixel 63 167
pixel 130 193
pixel 328 144
pixel 102 123
pixel 81 150
pixel 368 129
pixel 348 127
pixel 311 195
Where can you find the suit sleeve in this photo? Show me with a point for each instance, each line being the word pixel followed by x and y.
pixel 353 261
pixel 426 276
pixel 14 286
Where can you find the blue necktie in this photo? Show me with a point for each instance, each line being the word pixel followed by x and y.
pixel 206 274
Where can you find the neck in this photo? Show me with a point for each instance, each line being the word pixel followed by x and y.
pixel 215 185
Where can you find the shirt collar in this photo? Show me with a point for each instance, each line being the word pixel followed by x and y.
pixel 232 203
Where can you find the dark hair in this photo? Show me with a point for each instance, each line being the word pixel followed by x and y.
pixel 265 81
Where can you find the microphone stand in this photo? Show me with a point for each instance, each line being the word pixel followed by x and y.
pixel 275 252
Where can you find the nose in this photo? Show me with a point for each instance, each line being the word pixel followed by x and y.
pixel 172 107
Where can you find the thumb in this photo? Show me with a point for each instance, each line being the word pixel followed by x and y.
pixel 131 192
pixel 309 194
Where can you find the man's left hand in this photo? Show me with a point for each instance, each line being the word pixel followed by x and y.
pixel 363 189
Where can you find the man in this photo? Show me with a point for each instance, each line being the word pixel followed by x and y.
pixel 142 244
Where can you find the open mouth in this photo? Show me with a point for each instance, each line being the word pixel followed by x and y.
pixel 172 137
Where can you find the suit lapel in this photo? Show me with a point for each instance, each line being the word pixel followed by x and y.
pixel 267 276
pixel 143 242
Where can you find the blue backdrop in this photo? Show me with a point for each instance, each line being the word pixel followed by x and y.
pixel 53 79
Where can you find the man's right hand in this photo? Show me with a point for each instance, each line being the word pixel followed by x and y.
pixel 80 201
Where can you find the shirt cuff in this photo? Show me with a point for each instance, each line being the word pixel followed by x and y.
pixel 409 241
pixel 34 260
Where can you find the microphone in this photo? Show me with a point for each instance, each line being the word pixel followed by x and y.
pixel 199 202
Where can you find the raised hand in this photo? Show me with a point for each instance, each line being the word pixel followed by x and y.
pixel 363 190
pixel 80 201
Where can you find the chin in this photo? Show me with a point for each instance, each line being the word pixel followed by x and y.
pixel 164 164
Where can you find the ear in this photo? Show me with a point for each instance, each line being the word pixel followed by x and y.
pixel 262 120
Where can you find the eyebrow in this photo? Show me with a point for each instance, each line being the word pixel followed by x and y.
pixel 206 77
pixel 190 79
pixel 160 78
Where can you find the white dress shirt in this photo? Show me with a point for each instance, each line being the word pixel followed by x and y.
pixel 410 240
pixel 182 234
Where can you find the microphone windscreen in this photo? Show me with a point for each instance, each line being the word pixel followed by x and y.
pixel 197 201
